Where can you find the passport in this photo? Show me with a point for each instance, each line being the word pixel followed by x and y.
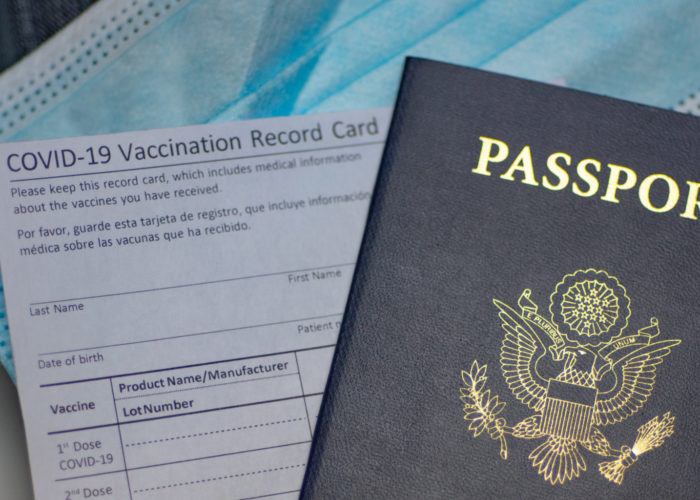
pixel 523 320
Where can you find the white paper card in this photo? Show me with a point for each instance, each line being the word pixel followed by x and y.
pixel 174 299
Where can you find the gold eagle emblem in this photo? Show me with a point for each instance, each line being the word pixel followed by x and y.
pixel 577 373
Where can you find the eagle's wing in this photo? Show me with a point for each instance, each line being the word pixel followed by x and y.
pixel 638 374
pixel 519 352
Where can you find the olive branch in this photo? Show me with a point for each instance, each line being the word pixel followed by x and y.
pixel 480 408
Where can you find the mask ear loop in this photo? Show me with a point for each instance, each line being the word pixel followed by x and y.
pixel 110 28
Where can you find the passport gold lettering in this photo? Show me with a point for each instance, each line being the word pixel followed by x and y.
pixel 560 172
pixel 522 163
pixel 630 179
pixel 587 177
pixel 692 202
pixel 658 192
pixel 673 193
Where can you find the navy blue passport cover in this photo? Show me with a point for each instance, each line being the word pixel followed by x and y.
pixel 524 319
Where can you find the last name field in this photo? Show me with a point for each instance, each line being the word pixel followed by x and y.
pixel 62 308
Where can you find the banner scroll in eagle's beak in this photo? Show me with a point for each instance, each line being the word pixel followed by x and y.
pixel 537 323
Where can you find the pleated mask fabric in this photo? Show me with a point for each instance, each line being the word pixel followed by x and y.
pixel 147 64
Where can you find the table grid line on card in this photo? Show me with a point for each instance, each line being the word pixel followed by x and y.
pixel 150 420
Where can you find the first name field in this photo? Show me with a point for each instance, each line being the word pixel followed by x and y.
pixel 198 147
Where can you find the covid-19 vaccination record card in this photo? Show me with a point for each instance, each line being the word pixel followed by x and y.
pixel 174 299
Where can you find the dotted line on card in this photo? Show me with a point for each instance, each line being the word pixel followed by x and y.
pixel 219 431
pixel 216 478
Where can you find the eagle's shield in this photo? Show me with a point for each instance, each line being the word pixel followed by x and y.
pixel 568 410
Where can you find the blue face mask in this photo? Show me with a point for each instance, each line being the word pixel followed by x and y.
pixel 161 63
pixel 5 348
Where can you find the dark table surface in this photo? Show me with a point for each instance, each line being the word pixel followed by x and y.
pixel 25 24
